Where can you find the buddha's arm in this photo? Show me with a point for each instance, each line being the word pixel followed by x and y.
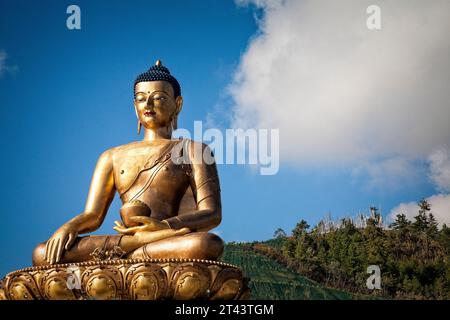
pixel 101 193
pixel 206 189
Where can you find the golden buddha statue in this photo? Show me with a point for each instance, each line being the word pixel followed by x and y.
pixel 153 184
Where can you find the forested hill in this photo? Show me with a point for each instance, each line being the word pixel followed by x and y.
pixel 271 280
pixel 412 258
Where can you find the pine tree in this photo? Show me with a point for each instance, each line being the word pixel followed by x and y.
pixel 401 223
pixel 300 229
pixel 432 231
pixel 279 233
pixel 421 222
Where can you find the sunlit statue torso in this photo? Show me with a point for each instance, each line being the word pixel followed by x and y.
pixel 153 177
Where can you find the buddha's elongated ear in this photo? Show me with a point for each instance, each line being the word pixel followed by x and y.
pixel 139 121
pixel 174 121
pixel 135 111
pixel 179 103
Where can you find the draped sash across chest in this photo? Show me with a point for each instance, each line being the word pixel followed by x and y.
pixel 128 163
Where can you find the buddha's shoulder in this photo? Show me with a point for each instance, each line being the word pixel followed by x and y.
pixel 193 143
pixel 197 145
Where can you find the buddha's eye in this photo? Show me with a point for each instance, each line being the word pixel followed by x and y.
pixel 140 98
pixel 160 98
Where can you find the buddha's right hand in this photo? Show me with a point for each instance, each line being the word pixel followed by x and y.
pixel 61 240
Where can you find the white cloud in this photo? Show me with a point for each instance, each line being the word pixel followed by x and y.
pixel 440 169
pixel 439 173
pixel 4 67
pixel 342 94
pixel 440 207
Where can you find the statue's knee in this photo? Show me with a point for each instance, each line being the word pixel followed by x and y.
pixel 198 245
pixel 139 253
pixel 39 255
pixel 211 245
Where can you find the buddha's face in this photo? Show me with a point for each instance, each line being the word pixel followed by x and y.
pixel 155 103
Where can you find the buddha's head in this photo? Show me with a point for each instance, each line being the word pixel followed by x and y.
pixel 157 98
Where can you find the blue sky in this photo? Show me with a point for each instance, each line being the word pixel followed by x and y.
pixel 66 96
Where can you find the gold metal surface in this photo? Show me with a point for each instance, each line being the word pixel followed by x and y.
pixel 130 279
pixel 171 199
pixel 151 186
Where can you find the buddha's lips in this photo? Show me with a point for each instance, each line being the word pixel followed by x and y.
pixel 149 113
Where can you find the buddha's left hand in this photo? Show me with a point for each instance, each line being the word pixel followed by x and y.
pixel 150 230
pixel 146 224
